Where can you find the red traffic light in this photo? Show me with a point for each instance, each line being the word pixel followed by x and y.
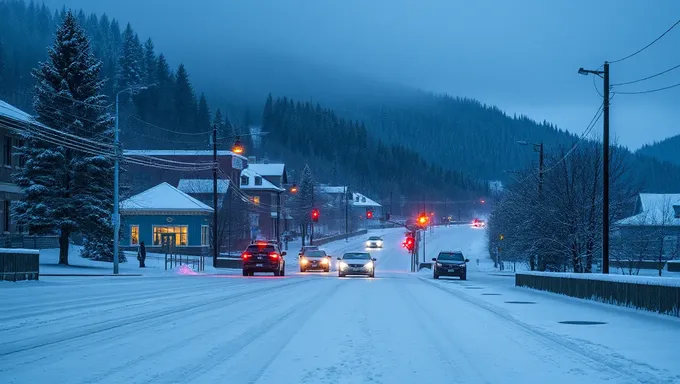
pixel 369 214
pixel 315 215
pixel 409 243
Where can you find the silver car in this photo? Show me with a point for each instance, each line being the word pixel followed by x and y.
pixel 356 263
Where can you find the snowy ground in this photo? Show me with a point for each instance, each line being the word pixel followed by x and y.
pixel 317 328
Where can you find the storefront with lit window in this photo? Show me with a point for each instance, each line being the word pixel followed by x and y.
pixel 153 214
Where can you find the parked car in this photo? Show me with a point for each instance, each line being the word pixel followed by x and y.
pixel 449 263
pixel 374 242
pixel 263 257
pixel 315 260
pixel 356 263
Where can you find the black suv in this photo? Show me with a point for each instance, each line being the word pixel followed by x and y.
pixel 263 257
pixel 450 264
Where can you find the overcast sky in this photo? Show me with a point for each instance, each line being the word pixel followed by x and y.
pixel 522 55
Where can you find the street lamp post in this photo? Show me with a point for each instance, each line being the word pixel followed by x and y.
pixel 116 170
pixel 604 74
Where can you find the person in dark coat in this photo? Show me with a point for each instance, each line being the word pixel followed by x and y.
pixel 141 255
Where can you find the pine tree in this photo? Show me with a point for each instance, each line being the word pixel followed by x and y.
pixel 184 101
pixel 129 68
pixel 203 115
pixel 218 121
pixel 68 191
pixel 150 62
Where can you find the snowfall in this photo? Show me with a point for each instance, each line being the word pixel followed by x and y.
pixel 179 326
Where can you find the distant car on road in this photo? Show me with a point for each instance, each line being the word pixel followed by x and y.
pixel 450 264
pixel 477 223
pixel 374 242
pixel 263 257
pixel 315 260
pixel 356 263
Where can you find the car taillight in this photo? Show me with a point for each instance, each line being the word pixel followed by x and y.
pixel 245 255
pixel 274 255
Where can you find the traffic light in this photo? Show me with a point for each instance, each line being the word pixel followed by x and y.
pixel 409 243
pixel 423 220
pixel 315 215
pixel 369 214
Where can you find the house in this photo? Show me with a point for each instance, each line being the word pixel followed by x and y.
pixel 202 189
pixel 12 120
pixel 340 200
pixel 274 173
pixel 654 228
pixel 142 177
pixel 161 211
pixel 266 202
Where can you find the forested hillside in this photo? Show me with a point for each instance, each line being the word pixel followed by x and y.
pixel 666 150
pixel 462 136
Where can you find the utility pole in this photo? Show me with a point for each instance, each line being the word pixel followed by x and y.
pixel 311 234
pixel 116 213
pixel 216 250
pixel 605 174
pixel 278 218
pixel 346 214
pixel 605 162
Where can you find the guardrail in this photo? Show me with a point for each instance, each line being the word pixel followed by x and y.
pixel 19 264
pixel 662 295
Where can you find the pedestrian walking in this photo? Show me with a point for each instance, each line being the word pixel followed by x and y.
pixel 141 255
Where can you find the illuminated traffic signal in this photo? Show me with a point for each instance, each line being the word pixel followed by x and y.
pixel 409 243
pixel 369 214
pixel 315 215
pixel 423 219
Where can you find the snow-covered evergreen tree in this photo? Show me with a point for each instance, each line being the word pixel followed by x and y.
pixel 203 115
pixel 66 190
pixel 150 62
pixel 129 71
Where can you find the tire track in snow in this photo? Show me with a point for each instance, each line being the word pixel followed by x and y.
pixel 8 349
pixel 599 362
pixel 269 326
pixel 179 342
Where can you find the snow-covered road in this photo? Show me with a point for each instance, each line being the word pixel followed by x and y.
pixel 317 328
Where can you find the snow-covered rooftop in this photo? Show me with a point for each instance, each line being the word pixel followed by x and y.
pixel 163 197
pixel 266 184
pixel 268 169
pixel 359 200
pixel 178 152
pixel 12 112
pixel 202 186
pixel 655 209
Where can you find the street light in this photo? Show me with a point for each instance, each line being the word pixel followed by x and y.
pixel 293 188
pixel 604 74
pixel 238 147
pixel 116 170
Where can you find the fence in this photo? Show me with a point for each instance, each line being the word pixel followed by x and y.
pixel 197 262
pixel 664 299
pixel 28 241
pixel 19 264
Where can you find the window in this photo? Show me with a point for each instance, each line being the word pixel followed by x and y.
pixel 181 234
pixel 258 180
pixel 205 235
pixel 7 158
pixel 676 208
pixel 244 180
pixel 134 235
pixel 21 160
pixel 255 199
pixel 6 215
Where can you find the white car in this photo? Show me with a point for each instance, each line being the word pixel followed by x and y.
pixel 374 242
pixel 356 263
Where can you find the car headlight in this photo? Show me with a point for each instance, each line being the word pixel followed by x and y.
pixel 380 243
pixel 324 261
pixel 439 264
pixel 368 243
pixel 343 265
pixel 369 265
pixel 303 261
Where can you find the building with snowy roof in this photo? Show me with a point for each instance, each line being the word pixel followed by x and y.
pixel 654 227
pixel 163 211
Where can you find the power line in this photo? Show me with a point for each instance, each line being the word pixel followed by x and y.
pixel 648 45
pixel 650 90
pixel 207 133
pixel 648 77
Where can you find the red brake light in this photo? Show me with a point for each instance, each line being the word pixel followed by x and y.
pixel 274 255
pixel 245 255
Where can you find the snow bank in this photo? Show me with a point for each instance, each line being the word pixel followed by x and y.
pixel 649 280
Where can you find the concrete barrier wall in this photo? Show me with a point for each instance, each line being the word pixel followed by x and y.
pixel 662 296
pixel 19 264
